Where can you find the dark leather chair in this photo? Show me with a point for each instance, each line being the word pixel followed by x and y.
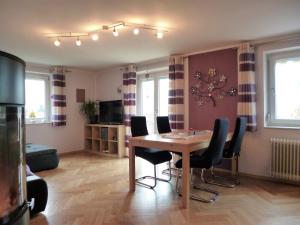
pixel 211 157
pixel 163 124
pixel 37 191
pixel 231 152
pixel 152 155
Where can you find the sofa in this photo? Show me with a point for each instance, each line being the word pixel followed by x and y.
pixel 41 157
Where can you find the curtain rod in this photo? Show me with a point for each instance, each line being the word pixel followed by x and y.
pixel 291 37
pixel 153 70
pixel 37 72
pixel 211 50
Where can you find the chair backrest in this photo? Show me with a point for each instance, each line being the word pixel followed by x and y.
pixel 163 125
pixel 238 135
pixel 138 126
pixel 214 152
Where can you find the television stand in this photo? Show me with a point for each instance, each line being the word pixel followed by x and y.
pixel 105 139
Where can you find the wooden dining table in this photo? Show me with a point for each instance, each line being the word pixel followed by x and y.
pixel 183 142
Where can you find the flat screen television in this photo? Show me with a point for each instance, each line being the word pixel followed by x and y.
pixel 111 112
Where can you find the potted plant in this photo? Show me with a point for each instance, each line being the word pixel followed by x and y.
pixel 88 109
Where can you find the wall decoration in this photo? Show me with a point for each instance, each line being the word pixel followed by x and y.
pixel 211 87
pixel 80 95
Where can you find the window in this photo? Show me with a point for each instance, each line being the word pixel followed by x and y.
pixel 153 98
pixel 284 89
pixel 37 98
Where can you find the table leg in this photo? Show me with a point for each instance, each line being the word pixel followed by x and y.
pixel 131 168
pixel 185 179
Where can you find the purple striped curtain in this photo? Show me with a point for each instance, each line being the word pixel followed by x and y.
pixel 129 99
pixel 176 92
pixel 246 85
pixel 58 97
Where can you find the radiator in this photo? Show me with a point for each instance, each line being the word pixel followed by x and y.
pixel 285 159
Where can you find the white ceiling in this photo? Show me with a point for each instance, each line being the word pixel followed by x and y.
pixel 193 24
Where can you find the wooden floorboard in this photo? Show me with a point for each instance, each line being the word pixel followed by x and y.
pixel 87 189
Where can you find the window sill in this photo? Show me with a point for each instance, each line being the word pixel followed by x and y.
pixel 281 127
pixel 37 123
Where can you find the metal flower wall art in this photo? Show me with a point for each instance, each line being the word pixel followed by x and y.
pixel 211 87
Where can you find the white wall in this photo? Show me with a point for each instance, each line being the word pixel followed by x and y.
pixel 70 137
pixel 256 150
pixel 107 83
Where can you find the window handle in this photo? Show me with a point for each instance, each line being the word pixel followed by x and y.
pixel 273 91
pixel 268 117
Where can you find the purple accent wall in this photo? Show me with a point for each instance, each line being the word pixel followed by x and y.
pixel 225 62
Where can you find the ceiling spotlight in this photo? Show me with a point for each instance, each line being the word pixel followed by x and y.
pixel 95 37
pixel 115 32
pixel 159 34
pixel 78 42
pixel 136 31
pixel 57 42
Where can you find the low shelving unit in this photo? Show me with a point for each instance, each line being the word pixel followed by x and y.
pixel 105 139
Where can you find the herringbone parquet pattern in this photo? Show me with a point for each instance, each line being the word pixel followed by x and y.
pixel 87 189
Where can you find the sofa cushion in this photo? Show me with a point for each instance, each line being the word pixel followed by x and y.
pixel 41 157
pixel 35 150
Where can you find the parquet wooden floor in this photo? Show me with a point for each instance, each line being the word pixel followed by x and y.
pixel 87 189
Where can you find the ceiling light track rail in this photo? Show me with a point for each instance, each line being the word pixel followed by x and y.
pixel 115 28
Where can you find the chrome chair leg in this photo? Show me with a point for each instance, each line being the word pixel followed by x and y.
pixel 177 181
pixel 155 178
pixel 214 193
pixel 170 170
pixel 197 197
pixel 222 181
pixel 167 171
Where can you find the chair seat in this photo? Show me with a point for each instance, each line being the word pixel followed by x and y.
pixel 196 161
pixel 153 155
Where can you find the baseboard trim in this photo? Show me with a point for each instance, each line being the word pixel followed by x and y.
pixel 260 177
pixel 272 179
pixel 70 152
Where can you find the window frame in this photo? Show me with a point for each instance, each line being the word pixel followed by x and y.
pixel 46 79
pixel 270 120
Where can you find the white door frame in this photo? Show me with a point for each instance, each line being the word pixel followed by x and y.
pixel 155 77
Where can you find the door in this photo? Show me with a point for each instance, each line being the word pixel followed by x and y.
pixel 152 98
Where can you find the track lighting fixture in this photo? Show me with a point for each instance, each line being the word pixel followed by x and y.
pixel 94 34
pixel 115 32
pixel 136 31
pixel 57 42
pixel 159 34
pixel 95 37
pixel 78 42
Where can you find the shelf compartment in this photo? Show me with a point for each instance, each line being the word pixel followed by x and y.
pixel 104 146
pixel 113 134
pixel 88 144
pixel 113 147
pixel 104 133
pixel 88 132
pixel 96 145
pixel 96 133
